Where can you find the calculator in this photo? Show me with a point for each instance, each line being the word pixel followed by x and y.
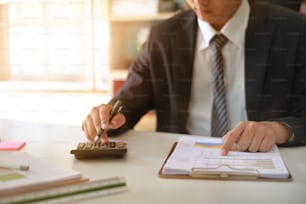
pixel 111 149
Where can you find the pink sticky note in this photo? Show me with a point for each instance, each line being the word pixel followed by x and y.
pixel 11 145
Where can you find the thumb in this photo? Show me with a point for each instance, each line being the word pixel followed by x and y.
pixel 117 121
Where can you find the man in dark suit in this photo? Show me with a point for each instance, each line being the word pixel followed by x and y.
pixel 265 76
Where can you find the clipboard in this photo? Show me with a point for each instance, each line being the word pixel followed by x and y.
pixel 218 174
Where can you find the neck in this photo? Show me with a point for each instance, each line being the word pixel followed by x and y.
pixel 218 26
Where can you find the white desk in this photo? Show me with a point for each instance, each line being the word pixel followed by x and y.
pixel 146 153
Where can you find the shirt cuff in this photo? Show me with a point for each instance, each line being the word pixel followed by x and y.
pixel 291 138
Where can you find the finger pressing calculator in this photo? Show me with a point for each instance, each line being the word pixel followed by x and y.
pixel 112 149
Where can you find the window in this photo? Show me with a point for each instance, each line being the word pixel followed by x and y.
pixel 54 44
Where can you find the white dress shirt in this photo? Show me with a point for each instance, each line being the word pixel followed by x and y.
pixel 199 120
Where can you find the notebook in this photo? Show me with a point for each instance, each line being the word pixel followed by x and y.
pixel 41 174
pixel 199 157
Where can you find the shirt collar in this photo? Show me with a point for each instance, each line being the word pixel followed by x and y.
pixel 234 29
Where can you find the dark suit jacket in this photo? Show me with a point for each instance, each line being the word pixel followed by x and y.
pixel 275 71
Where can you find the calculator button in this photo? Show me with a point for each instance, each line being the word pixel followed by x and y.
pixel 112 144
pixel 121 145
pixel 88 146
pixel 104 146
pixel 81 145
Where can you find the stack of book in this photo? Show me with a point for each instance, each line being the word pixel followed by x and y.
pixel 28 179
pixel 39 174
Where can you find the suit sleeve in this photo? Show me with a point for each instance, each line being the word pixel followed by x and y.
pixel 136 93
pixel 298 119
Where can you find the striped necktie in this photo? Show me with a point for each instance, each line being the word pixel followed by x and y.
pixel 219 122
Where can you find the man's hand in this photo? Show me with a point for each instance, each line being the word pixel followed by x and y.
pixel 99 118
pixel 255 136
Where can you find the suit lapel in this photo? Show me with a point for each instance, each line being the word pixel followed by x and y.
pixel 183 45
pixel 258 39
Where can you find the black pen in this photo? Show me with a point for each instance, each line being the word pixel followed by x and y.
pixel 116 109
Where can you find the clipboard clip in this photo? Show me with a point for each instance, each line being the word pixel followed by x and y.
pixel 224 171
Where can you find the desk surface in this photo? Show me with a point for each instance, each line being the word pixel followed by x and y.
pixel 146 153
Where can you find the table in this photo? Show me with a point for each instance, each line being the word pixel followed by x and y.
pixel 146 153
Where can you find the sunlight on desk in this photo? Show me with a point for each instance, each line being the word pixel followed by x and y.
pixel 53 108
pixel 57 108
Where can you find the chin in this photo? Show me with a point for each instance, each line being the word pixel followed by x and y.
pixel 205 18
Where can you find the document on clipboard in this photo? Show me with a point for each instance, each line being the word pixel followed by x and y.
pixel 199 157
